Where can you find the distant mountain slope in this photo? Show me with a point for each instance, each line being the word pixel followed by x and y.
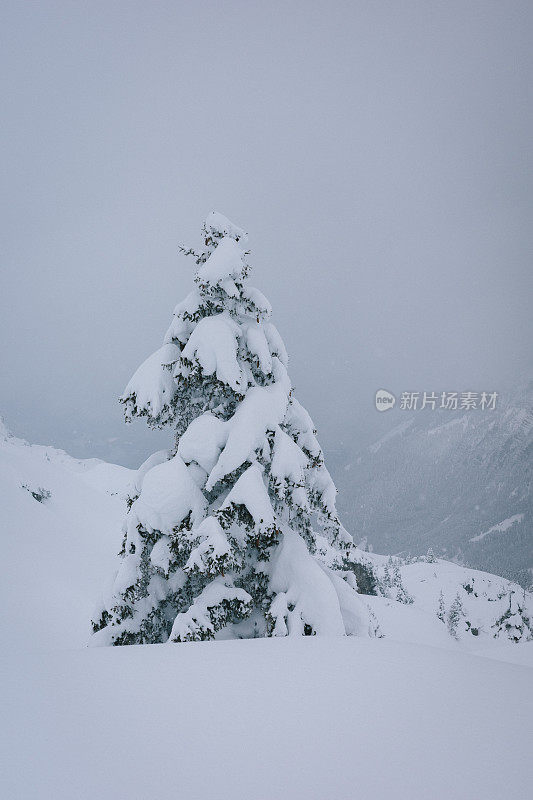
pixel 459 482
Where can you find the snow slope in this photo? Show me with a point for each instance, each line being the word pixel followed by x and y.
pixel 412 715
pixel 53 551
pixel 484 599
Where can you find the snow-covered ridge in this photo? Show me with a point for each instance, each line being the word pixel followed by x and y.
pixel 447 425
pixel 501 527
pixel 50 454
pixel 483 613
pixel 60 524
pixel 397 431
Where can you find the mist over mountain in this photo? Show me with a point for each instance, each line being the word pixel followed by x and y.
pixel 456 481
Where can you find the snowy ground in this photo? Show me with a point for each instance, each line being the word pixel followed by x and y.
pixel 267 719
pixel 413 715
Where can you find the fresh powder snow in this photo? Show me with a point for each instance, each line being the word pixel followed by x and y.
pixel 106 722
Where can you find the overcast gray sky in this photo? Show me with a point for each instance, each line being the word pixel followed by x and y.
pixel 379 154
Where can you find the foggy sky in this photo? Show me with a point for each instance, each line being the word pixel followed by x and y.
pixel 378 154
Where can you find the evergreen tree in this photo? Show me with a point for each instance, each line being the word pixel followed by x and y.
pixel 455 615
pixel 441 611
pixel 514 622
pixel 392 584
pixel 374 630
pixel 234 529
pixel 402 595
pixel 386 581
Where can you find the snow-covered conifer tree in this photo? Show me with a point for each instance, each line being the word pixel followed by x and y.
pixel 441 609
pixel 514 622
pixel 455 616
pixel 233 531
pixel 392 584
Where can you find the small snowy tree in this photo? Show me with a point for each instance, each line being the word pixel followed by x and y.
pixel 514 622
pixel 455 616
pixel 374 630
pixel 234 529
pixel 386 580
pixel 441 610
pixel 402 595
pixel 392 583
